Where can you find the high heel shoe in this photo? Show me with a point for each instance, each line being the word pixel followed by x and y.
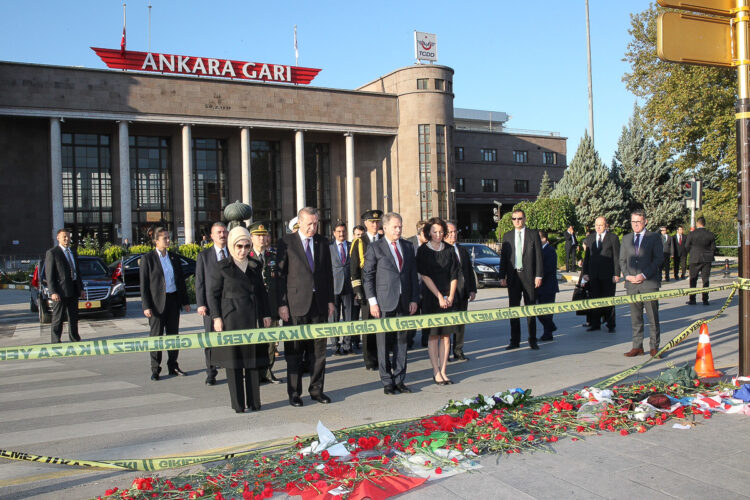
pixel 436 381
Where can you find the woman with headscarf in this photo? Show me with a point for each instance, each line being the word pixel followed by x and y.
pixel 237 298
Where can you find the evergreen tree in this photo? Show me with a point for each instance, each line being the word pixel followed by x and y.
pixel 647 181
pixel 545 188
pixel 588 184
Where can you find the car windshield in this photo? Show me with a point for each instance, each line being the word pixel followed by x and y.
pixel 92 268
pixel 481 251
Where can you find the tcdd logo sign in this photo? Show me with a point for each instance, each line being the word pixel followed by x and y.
pixel 425 46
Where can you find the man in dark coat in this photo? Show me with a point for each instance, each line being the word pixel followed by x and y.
pixel 163 291
pixel 701 245
pixel 305 296
pixel 666 243
pixel 546 293
pixel 571 247
pixel 680 253
pixel 65 286
pixel 342 285
pixel 466 289
pixel 601 269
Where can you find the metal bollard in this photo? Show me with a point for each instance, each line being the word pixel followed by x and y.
pixel 726 268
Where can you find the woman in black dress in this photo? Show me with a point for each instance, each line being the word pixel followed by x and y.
pixel 237 298
pixel 438 265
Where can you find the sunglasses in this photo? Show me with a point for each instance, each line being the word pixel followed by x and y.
pixel 245 247
pixel 516 218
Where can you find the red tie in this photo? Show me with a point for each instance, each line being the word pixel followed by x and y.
pixel 398 256
pixel 342 252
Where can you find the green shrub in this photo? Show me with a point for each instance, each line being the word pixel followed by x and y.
pixel 190 285
pixel 190 250
pixel 140 249
pixel 87 251
pixel 112 253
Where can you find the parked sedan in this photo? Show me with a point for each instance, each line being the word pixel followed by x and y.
pixel 486 264
pixel 129 271
pixel 103 291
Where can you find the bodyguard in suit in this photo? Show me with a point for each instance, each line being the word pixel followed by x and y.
pixel 342 285
pixel 701 245
pixel 205 268
pixel 546 293
pixel 65 286
pixel 571 247
pixel 305 296
pixel 392 289
pixel 162 293
pixel 466 289
pixel 641 254
pixel 666 242
pixel 680 253
pixel 601 268
pixel 521 270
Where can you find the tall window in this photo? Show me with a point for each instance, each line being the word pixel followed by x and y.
pixel 489 185
pixel 549 158
pixel 442 179
pixel 318 183
pixel 209 183
pixel 520 186
pixel 421 83
pixel 266 184
pixel 521 156
pixel 439 84
pixel 87 186
pixel 488 154
pixel 459 152
pixel 425 172
pixel 460 185
pixel 150 184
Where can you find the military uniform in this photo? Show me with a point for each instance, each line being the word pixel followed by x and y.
pixel 356 263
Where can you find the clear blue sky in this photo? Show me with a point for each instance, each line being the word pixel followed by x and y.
pixel 525 58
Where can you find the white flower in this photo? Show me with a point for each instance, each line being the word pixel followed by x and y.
pixel 508 399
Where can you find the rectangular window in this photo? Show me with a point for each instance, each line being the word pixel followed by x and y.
pixel 425 172
pixel 439 84
pixel 209 183
pixel 265 164
pixel 549 158
pixel 460 185
pixel 521 156
pixel 488 154
pixel 520 186
pixel 442 179
pixel 489 185
pixel 459 152
pixel 421 83
pixel 318 179
pixel 449 86
pixel 150 185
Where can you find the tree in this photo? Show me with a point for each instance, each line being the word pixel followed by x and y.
pixel 647 182
pixel 545 188
pixel 551 215
pixel 587 183
pixel 688 111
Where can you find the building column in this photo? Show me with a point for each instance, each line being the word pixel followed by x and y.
pixel 246 158
pixel 299 162
pixel 351 216
pixel 126 224
pixel 187 182
pixel 55 142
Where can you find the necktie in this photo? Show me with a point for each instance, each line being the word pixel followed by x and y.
pixel 636 243
pixel 519 250
pixel 458 254
pixel 398 256
pixel 679 239
pixel 599 241
pixel 342 253
pixel 72 265
pixel 221 254
pixel 308 252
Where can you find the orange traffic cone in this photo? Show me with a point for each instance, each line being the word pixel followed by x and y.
pixel 704 359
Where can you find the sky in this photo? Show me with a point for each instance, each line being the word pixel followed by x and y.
pixel 527 59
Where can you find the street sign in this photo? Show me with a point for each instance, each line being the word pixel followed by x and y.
pixel 715 7
pixel 686 38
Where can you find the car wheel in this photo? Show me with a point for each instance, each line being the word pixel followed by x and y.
pixel 32 305
pixel 44 315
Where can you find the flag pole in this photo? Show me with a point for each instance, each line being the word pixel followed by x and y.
pixel 296 51
pixel 124 23
pixel 149 25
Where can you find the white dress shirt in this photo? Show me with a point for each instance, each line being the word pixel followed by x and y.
pixel 166 266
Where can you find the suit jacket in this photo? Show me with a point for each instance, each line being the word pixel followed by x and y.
pixel 679 248
pixel 205 268
pixel 383 280
pixel 570 241
pixel 342 274
pixel 604 262
pixel 666 243
pixel 647 261
pixel 549 286
pixel 531 257
pixel 58 275
pixel 153 286
pixel 296 282
pixel 268 264
pixel 467 280
pixel 357 263
pixel 701 245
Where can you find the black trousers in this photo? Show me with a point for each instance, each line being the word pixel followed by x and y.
pixel 343 312
pixel 316 354
pixel 392 347
pixel 517 289
pixel 66 307
pixel 702 269
pixel 168 321
pixel 211 369
pixel 546 319
pixel 602 287
pixel 369 344
pixel 680 263
pixel 457 339
pixel 665 265
pixel 244 387
pixel 570 259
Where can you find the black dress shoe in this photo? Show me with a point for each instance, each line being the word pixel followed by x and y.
pixel 321 398
pixel 611 329
pixel 534 346
pixel 176 371
pixel 337 352
pixel 691 302
pixel 255 408
pixel 210 381
pixel 154 376
pixel 460 357
pixel 546 338
pixel 275 380
pixel 512 346
pixel 706 303
pixel 593 328
pixel 295 401
pixel 371 367
pixel 389 390
pixel 666 279
pixel 403 388
pixel 239 411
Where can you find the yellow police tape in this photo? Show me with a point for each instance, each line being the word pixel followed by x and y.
pixel 384 325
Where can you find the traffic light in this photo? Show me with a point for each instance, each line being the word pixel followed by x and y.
pixel 496 214
pixel 688 190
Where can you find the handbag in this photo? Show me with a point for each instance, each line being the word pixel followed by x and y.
pixel 581 292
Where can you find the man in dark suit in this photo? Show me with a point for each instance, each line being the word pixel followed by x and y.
pixel 65 286
pixel 342 285
pixel 392 289
pixel 372 220
pixel 601 269
pixel 571 247
pixel 205 267
pixel 546 293
pixel 305 296
pixel 466 289
pixel 641 254
pixel 701 245
pixel 521 270
pixel 680 253
pixel 666 242
pixel 162 292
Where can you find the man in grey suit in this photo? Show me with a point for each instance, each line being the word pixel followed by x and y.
pixel 392 289
pixel 343 293
pixel 641 256
pixel 65 286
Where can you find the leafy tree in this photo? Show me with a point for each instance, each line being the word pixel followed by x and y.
pixel 689 112
pixel 588 184
pixel 551 215
pixel 545 187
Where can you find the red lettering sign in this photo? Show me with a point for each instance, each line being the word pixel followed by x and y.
pixel 204 66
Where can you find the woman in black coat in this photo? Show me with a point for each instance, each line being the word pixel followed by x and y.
pixel 237 298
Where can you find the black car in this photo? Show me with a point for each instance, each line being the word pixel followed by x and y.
pixel 129 271
pixel 103 291
pixel 486 264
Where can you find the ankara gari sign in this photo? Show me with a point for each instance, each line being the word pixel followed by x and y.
pixel 204 66
pixel 425 46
